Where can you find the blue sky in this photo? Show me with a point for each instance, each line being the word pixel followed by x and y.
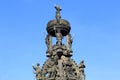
pixel 95 28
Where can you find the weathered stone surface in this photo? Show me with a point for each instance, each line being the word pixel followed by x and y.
pixel 59 65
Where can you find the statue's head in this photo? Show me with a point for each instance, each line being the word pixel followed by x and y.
pixel 38 64
pixel 82 61
pixel 57 7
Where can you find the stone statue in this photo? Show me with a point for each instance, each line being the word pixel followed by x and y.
pixel 48 41
pixel 81 69
pixel 61 63
pixel 58 9
pixel 66 66
pixel 69 41
pixel 37 71
pixel 59 38
pixel 52 67
pixel 52 71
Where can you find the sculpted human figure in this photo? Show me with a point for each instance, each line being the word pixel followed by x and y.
pixel 37 71
pixel 69 41
pixel 67 66
pixel 81 69
pixel 59 38
pixel 58 9
pixel 61 66
pixel 48 43
pixel 52 70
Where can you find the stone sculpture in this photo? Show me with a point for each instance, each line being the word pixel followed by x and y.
pixel 59 65
pixel 37 71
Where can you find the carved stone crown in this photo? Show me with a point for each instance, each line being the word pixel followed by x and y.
pixel 63 27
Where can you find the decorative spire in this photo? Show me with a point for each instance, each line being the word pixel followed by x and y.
pixel 59 65
pixel 58 16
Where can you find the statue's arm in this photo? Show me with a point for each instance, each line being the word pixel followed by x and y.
pixel 34 68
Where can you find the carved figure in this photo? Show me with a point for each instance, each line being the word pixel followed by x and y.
pixel 37 71
pixel 81 69
pixel 58 9
pixel 49 45
pixel 61 63
pixel 59 38
pixel 69 41
pixel 52 71
pixel 48 41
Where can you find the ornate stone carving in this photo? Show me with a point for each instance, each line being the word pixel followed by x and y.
pixel 59 65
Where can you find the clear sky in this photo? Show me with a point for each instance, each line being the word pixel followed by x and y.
pixel 95 29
